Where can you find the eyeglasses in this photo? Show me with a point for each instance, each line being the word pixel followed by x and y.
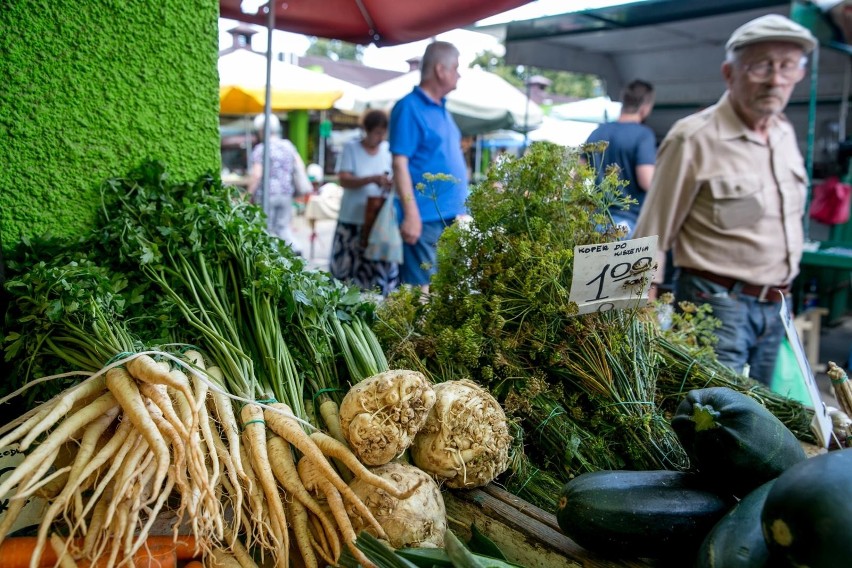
pixel 787 69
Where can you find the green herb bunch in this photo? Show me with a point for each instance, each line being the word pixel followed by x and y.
pixel 500 313
pixel 238 292
pixel 189 263
pixel 66 311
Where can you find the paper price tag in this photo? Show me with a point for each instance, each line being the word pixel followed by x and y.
pixel 821 423
pixel 613 275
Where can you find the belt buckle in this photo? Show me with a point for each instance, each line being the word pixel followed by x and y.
pixel 764 291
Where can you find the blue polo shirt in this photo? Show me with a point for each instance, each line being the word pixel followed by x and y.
pixel 427 135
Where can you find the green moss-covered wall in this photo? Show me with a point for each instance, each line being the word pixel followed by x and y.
pixel 89 89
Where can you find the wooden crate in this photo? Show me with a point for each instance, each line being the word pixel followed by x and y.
pixel 526 534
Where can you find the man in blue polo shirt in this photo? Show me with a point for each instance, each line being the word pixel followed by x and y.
pixel 424 139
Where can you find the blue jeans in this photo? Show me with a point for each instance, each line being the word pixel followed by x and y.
pixel 751 330
pixel 418 260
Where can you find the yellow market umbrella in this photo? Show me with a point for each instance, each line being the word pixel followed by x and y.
pixel 242 85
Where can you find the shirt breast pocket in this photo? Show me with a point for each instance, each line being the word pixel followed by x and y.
pixel 737 201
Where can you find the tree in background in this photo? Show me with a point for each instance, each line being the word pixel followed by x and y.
pixel 563 83
pixel 335 49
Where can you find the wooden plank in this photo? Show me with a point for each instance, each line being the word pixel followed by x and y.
pixel 522 506
pixel 524 533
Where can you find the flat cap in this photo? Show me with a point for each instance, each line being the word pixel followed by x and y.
pixel 771 27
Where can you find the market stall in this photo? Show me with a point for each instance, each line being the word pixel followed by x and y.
pixel 180 387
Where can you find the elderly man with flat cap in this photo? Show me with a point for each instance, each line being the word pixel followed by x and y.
pixel 728 195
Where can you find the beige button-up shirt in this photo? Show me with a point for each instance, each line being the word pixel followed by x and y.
pixel 727 202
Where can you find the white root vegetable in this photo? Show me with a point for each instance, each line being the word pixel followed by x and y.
pixel 417 521
pixel 381 414
pixel 465 441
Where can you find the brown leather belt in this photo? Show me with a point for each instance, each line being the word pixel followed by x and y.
pixel 766 293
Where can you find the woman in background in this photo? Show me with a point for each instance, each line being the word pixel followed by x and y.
pixel 363 171
pixel 287 179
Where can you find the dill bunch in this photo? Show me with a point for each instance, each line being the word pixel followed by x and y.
pixel 500 313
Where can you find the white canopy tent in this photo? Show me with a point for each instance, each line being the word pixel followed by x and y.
pixel 482 102
pixel 563 132
pixel 597 110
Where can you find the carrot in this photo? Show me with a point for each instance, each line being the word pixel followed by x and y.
pixel 332 448
pixel 301 532
pixel 284 469
pixel 124 388
pixel 17 552
pixel 56 438
pixel 255 432
pixel 313 480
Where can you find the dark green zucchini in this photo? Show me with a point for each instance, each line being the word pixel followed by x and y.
pixel 807 517
pixel 737 540
pixel 653 514
pixel 733 441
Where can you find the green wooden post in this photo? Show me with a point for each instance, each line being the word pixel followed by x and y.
pixel 299 123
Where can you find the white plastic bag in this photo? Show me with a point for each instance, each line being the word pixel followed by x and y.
pixel 385 242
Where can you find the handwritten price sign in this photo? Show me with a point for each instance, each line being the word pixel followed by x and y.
pixel 612 276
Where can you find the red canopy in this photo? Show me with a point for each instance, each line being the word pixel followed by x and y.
pixel 383 22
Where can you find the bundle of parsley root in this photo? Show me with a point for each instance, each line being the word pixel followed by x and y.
pixel 170 360
pixel 586 391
